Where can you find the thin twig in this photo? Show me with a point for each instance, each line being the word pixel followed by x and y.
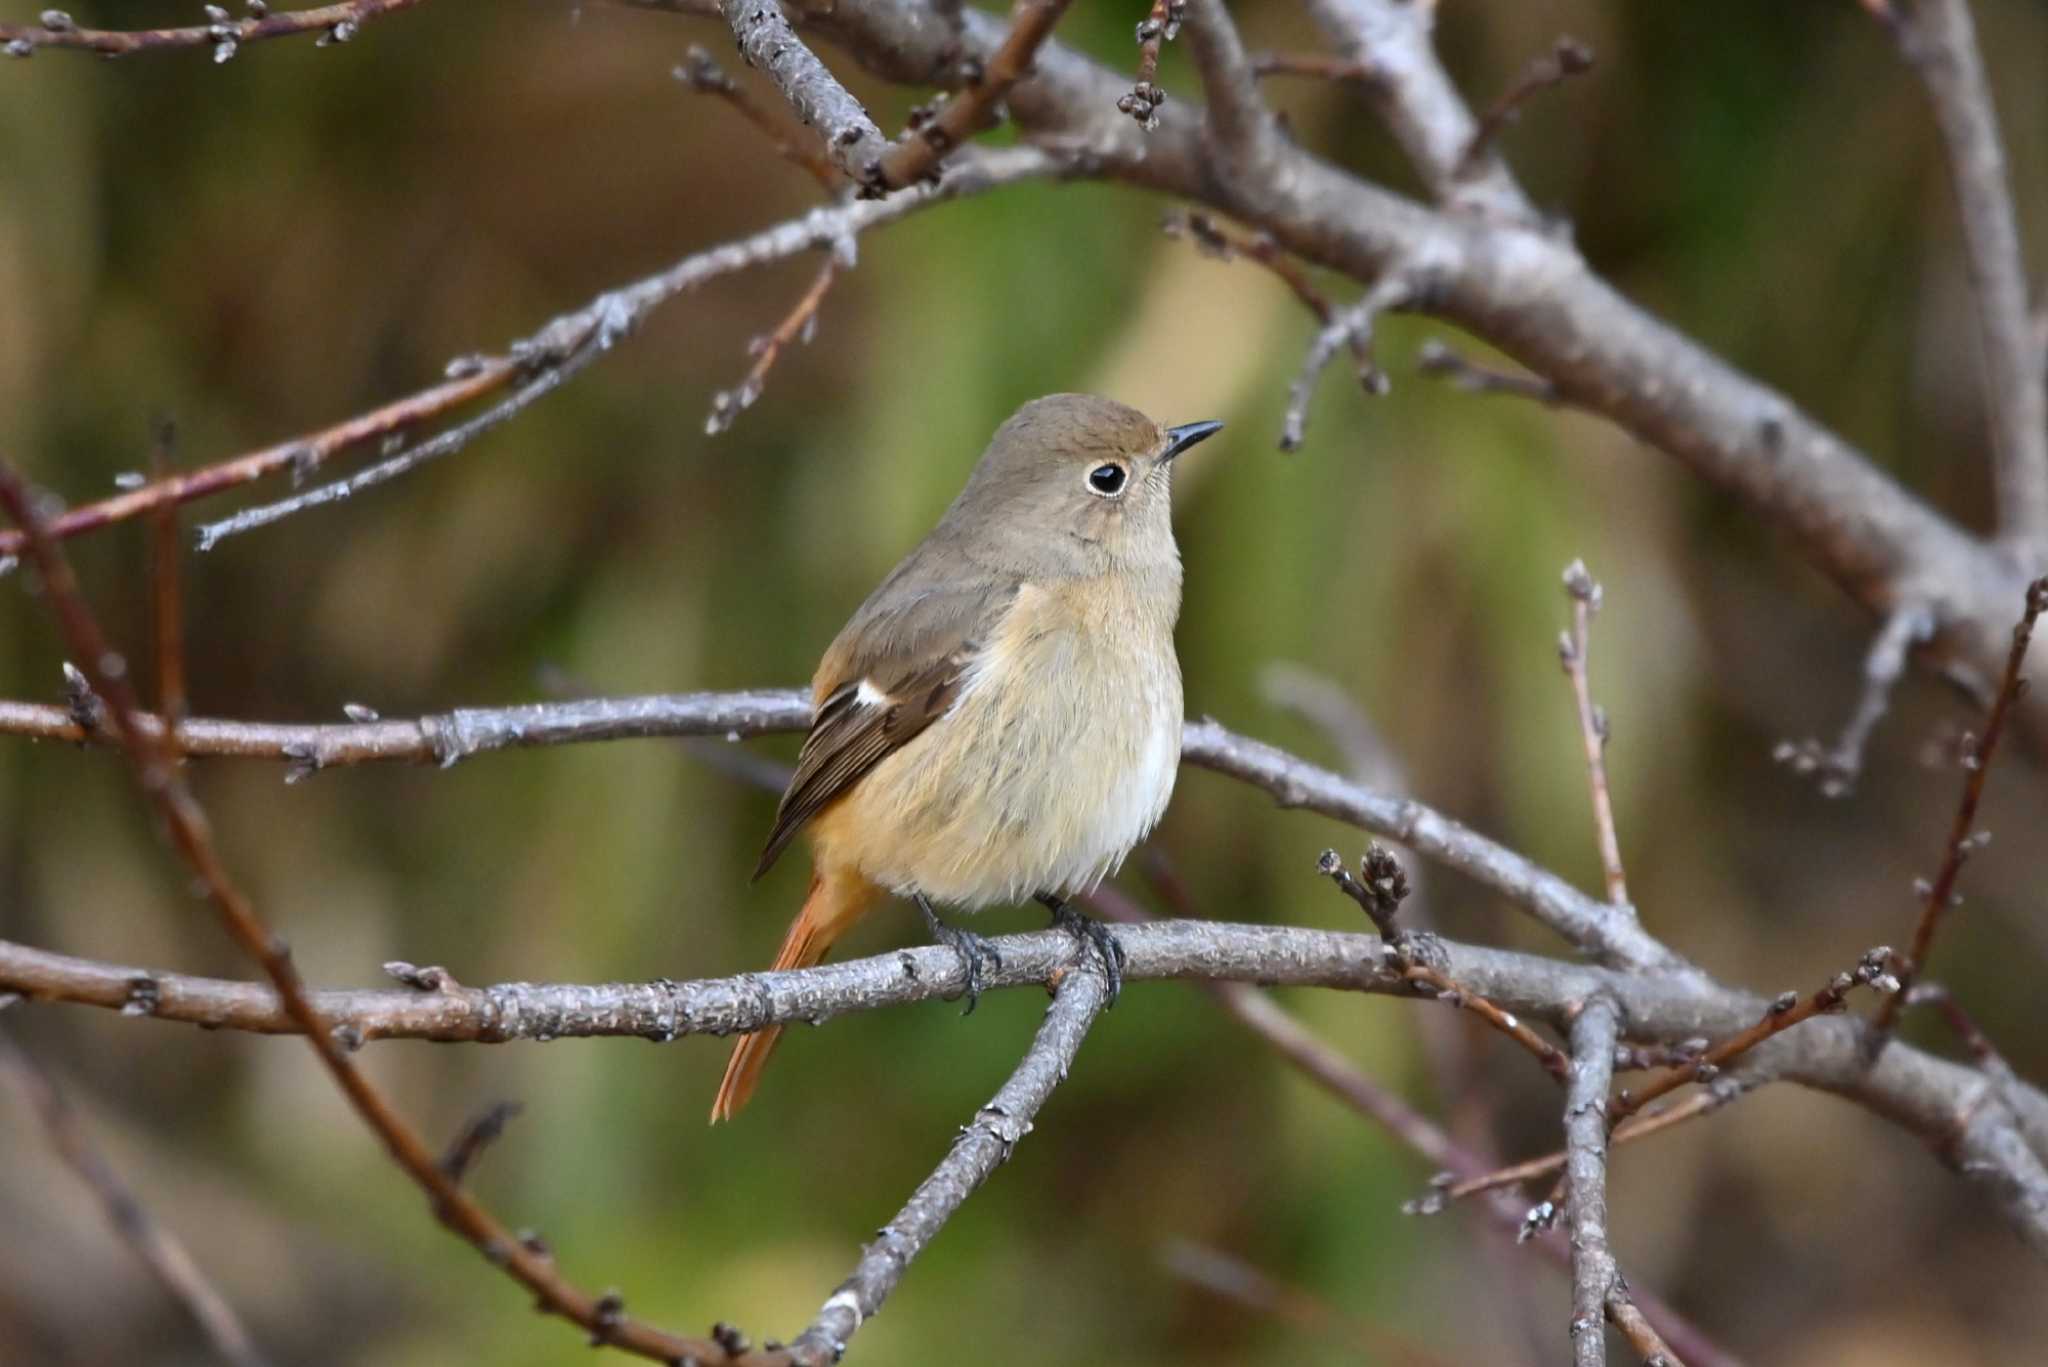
pixel 1965 1029
pixel 1939 40
pixel 571 342
pixel 799 325
pixel 1594 1274
pixel 1839 767
pixel 1158 28
pixel 1573 647
pixel 1639 1126
pixel 916 156
pixel 702 73
pixel 161 1251
pixel 1438 360
pixel 985 1143
pixel 1213 238
pixel 334 23
pixel 479 1134
pixel 1352 327
pixel 163 785
pixel 1312 65
pixel 1380 893
pixel 1939 896
pixel 1786 1010
pixel 299 455
pixel 1567 58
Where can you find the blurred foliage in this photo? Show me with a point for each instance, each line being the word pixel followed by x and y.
pixel 262 248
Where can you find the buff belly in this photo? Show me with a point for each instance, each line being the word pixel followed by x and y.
pixel 1057 758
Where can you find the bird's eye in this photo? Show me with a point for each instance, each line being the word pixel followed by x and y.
pixel 1107 480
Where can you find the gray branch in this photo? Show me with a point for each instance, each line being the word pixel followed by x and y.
pixel 1600 929
pixel 569 343
pixel 1594 1274
pixel 985 1144
pixel 1940 40
pixel 1944 1103
pixel 769 43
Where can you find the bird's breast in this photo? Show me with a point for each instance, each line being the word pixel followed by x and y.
pixel 1057 757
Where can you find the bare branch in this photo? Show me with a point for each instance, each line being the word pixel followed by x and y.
pixel 985 1143
pixel 1158 28
pixel 1567 58
pixel 1909 626
pixel 448 738
pixel 1939 896
pixel 334 23
pixel 917 156
pixel 167 582
pixel 1350 327
pixel 1313 66
pixel 797 326
pixel 1392 40
pixel 1237 1280
pixel 572 341
pixel 701 72
pixel 1573 646
pixel 1439 360
pixel 299 455
pixel 769 44
pixel 1639 1126
pixel 162 784
pixel 161 1251
pixel 1237 126
pixel 1594 1274
pixel 1939 40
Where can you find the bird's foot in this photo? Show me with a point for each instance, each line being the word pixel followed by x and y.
pixel 1094 935
pixel 977 954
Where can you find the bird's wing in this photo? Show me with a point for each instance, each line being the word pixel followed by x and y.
pixel 894 670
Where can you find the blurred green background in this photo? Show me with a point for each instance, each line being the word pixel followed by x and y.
pixel 262 248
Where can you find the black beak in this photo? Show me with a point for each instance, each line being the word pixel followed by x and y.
pixel 1179 439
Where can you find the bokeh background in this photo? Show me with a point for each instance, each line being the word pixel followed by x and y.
pixel 262 248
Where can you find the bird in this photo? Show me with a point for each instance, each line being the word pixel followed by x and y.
pixel 1002 718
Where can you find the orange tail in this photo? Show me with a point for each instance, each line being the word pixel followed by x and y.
pixel 836 900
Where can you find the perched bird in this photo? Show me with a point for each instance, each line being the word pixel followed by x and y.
pixel 1002 718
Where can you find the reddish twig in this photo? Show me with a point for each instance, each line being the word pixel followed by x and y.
pixel 161 1251
pixel 298 455
pixel 164 786
pixel 701 73
pixel 1784 1012
pixel 1572 649
pixel 917 154
pixel 1380 894
pixel 1639 1126
pixel 1155 30
pixel 799 325
pixel 1939 896
pixel 1567 58
pixel 479 1134
pixel 1964 1026
pixel 334 23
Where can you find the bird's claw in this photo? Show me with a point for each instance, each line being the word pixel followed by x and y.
pixel 1093 935
pixel 978 955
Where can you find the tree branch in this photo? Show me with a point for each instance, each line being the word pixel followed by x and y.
pixel 768 43
pixel 1594 1274
pixel 920 151
pixel 1573 646
pixel 334 23
pixel 985 1144
pixel 161 1251
pixel 1910 625
pixel 1939 40
pixel 163 785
